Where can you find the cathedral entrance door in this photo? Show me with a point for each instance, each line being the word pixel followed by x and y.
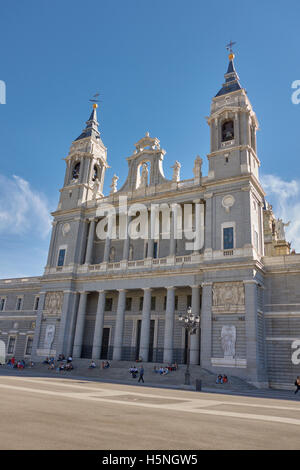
pixel 105 343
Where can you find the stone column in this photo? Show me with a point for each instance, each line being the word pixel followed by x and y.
pixel 150 234
pixel 90 242
pixel 38 323
pixel 195 339
pixel 51 247
pixel 118 340
pixel 255 363
pixel 108 239
pixel 206 326
pixel 64 322
pixel 145 328
pixel 80 325
pixel 173 230
pixel 97 341
pixel 126 242
pixel 169 326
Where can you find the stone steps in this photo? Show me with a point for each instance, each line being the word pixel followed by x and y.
pixel 119 372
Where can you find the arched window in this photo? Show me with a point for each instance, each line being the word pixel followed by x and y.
pixel 75 171
pixel 227 131
pixel 95 173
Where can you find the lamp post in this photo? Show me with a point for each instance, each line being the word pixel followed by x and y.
pixel 190 322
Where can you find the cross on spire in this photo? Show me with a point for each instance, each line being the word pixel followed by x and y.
pixel 229 46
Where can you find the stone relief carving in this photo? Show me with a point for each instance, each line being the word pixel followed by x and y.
pixel 66 229
pixel 228 294
pixel 228 340
pixel 53 303
pixel 49 336
pixel 227 202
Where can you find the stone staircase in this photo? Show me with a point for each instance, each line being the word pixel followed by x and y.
pixel 118 372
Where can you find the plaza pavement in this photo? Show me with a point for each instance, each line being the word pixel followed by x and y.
pixel 69 413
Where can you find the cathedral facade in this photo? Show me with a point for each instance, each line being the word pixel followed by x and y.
pixel 122 267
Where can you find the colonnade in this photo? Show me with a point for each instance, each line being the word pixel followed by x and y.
pixel 168 350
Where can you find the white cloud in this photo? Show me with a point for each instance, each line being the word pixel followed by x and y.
pixel 22 209
pixel 285 199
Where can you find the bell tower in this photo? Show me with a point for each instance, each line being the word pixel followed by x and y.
pixel 233 126
pixel 86 166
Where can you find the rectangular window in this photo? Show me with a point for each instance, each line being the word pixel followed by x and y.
pixel 188 301
pixel 108 304
pixel 2 305
pixel 176 302
pixel 19 303
pixel 29 346
pixel 61 257
pixel 11 345
pixel 36 303
pixel 155 250
pixel 165 302
pixel 228 238
pixel 153 303
pixel 128 303
pixel 141 303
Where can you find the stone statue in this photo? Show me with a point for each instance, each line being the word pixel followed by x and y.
pixel 176 171
pixel 112 255
pixel 197 170
pixel 279 228
pixel 96 188
pixel 130 256
pixel 228 340
pixel 144 176
pixel 113 185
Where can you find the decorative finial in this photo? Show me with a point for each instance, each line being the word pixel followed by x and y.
pixel 229 48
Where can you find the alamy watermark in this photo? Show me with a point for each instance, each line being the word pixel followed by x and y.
pixel 296 94
pixel 2 92
pixel 165 221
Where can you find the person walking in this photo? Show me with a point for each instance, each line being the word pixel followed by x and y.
pixel 141 377
pixel 297 383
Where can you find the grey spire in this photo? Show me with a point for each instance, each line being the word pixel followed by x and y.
pixel 231 79
pixel 92 124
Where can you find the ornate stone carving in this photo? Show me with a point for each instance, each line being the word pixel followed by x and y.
pixel 66 229
pixel 228 340
pixel 49 336
pixel 227 202
pixel 53 303
pixel 228 295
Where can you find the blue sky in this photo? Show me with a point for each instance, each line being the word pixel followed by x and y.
pixel 157 64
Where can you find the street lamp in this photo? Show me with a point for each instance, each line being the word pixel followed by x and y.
pixel 190 322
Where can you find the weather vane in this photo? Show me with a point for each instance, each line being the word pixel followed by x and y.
pixel 95 98
pixel 229 46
